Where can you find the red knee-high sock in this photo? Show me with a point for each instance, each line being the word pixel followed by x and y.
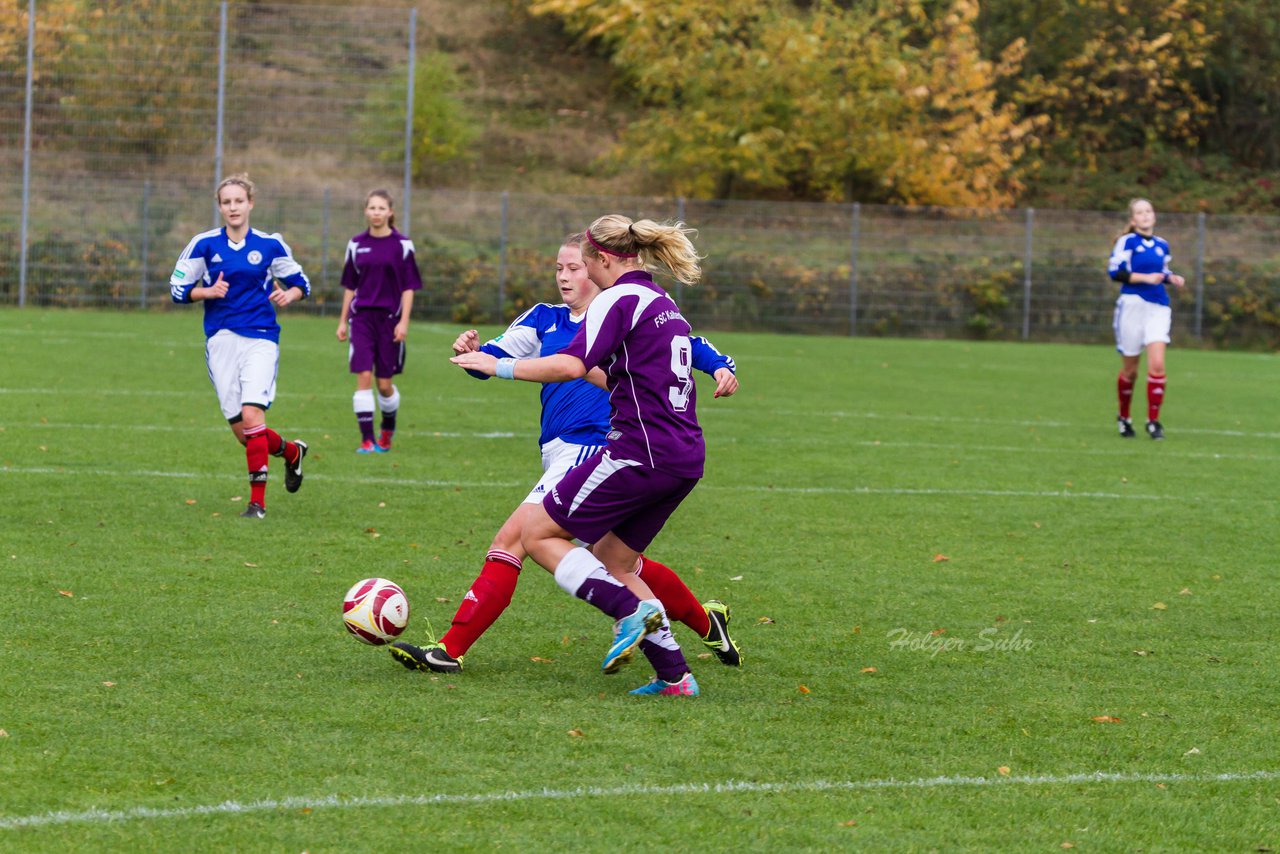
pixel 1155 396
pixel 255 453
pixel 278 447
pixel 1124 388
pixel 489 596
pixel 677 599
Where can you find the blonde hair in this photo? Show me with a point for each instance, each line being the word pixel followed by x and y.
pixel 667 244
pixel 240 179
pixel 385 195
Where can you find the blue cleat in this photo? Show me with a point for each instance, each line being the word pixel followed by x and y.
pixel 686 687
pixel 628 632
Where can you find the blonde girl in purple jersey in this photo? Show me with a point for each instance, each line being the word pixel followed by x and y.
pixel 379 277
pixel 621 498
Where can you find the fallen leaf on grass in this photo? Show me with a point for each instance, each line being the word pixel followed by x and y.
pixel 540 660
pixel 869 670
pixel 4 733
pixel 1161 786
pixel 235 498
pixel 305 810
pixel 849 823
pixel 109 684
pixel 736 578
pixel 190 501
pixel 803 689
pixel 66 593
pixel 442 599
pixel 1186 591
pixel 1066 846
pixel 763 620
pixel 1106 719
pixel 937 632
pixel 1159 606
pixel 1192 752
pixel 857 630
pixel 939 558
pixel 1143 652
pixel 703 656
pixel 1003 770
pixel 251 565
pixel 577 733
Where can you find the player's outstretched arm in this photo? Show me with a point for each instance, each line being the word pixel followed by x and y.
pixel 545 369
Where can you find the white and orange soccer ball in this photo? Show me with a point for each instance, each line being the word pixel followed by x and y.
pixel 375 610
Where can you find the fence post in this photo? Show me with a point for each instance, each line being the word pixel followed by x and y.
pixel 26 155
pixel 679 218
pixel 1026 277
pixel 146 241
pixel 222 87
pixel 408 116
pixel 855 238
pixel 1200 229
pixel 502 259
pixel 324 241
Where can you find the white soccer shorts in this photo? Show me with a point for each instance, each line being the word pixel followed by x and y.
pixel 558 457
pixel 243 370
pixel 1139 323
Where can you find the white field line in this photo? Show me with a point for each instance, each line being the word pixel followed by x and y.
pixel 719 408
pixel 102 816
pixel 779 490
pixel 863 443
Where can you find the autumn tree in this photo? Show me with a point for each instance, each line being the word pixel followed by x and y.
pixel 1114 75
pixel 882 102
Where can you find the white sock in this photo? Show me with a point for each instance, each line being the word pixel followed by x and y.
pixel 362 401
pixel 389 405
pixel 576 567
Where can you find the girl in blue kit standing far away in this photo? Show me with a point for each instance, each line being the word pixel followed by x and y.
pixel 1140 263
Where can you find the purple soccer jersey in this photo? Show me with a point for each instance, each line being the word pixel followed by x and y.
pixel 380 270
pixel 636 334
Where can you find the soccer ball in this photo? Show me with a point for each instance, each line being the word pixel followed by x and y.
pixel 375 610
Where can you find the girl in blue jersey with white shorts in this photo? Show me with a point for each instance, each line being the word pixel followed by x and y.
pixel 1140 263
pixel 620 499
pixel 575 420
pixel 234 271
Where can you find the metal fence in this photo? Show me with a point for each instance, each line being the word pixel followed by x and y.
pixel 312 101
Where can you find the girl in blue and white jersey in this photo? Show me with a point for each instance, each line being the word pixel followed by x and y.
pixel 1140 263
pixel 235 271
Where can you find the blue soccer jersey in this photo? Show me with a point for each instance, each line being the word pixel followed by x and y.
pixel 249 269
pixel 1134 253
pixel 577 411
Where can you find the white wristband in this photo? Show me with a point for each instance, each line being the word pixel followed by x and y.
pixel 506 369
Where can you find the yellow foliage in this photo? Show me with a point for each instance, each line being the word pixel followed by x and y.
pixel 878 104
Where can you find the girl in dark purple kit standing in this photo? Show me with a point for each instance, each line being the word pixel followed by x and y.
pixel 654 453
pixel 378 279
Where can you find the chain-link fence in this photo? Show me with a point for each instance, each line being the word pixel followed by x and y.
pixel 136 113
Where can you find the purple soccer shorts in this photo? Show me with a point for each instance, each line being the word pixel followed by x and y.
pixel 372 344
pixel 604 494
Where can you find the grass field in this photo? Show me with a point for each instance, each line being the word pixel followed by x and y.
pixel 972 617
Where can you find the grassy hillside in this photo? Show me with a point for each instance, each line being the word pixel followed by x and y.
pixel 546 108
